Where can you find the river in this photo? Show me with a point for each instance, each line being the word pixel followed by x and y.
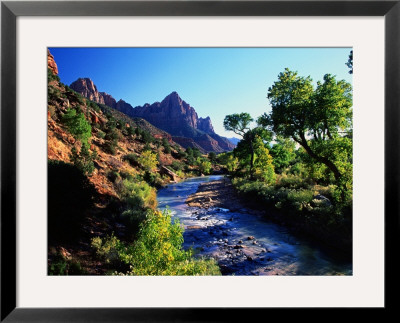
pixel 242 242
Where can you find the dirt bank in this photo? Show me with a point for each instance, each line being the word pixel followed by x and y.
pixel 219 193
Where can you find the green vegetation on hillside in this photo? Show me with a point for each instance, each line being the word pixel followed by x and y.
pixel 108 151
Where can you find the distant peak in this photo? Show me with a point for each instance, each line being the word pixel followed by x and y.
pixel 84 81
pixel 87 79
pixel 173 98
pixel 173 94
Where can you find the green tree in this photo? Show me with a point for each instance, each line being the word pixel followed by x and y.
pixel 190 156
pixel 283 153
pixel 312 118
pixel 229 160
pixel 263 164
pixel 212 156
pixel 239 123
pixel 77 125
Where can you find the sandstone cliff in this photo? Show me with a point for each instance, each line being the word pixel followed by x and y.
pixel 51 63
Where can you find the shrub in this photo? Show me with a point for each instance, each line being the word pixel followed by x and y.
pixel 146 136
pixel 80 98
pixel 51 76
pixel 100 133
pixel 181 154
pixel 110 147
pixel 130 130
pixel 132 220
pixel 299 199
pixel 153 179
pixel 94 106
pixel 108 249
pixel 166 145
pixel 126 175
pixel 112 135
pixel 84 159
pixel 112 175
pixel 58 267
pixel 204 166
pixel 176 166
pixel 138 195
pixel 62 267
pixel 180 173
pixel 292 181
pixel 132 159
pixel 148 161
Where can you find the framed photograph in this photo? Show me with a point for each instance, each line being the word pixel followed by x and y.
pixel 268 129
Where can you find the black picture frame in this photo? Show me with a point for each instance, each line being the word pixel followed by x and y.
pixel 10 10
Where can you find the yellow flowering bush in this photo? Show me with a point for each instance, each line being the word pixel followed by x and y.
pixel 158 250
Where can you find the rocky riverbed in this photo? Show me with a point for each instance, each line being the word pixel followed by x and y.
pixel 220 225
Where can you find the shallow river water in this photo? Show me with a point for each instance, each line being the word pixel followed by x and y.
pixel 242 242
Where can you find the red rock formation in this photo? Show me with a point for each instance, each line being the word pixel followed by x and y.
pixel 86 87
pixel 204 124
pixel 95 118
pixel 108 99
pixel 51 63
pixel 170 113
pixel 178 118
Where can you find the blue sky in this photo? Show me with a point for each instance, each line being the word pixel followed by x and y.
pixel 215 81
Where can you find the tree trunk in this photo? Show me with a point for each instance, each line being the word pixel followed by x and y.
pixel 251 158
pixel 323 160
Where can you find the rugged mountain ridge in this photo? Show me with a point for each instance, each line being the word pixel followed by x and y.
pixel 172 115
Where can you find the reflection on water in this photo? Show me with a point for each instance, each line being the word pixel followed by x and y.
pixel 244 243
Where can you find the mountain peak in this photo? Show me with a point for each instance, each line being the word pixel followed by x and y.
pixel 172 98
pixel 174 93
pixel 88 89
